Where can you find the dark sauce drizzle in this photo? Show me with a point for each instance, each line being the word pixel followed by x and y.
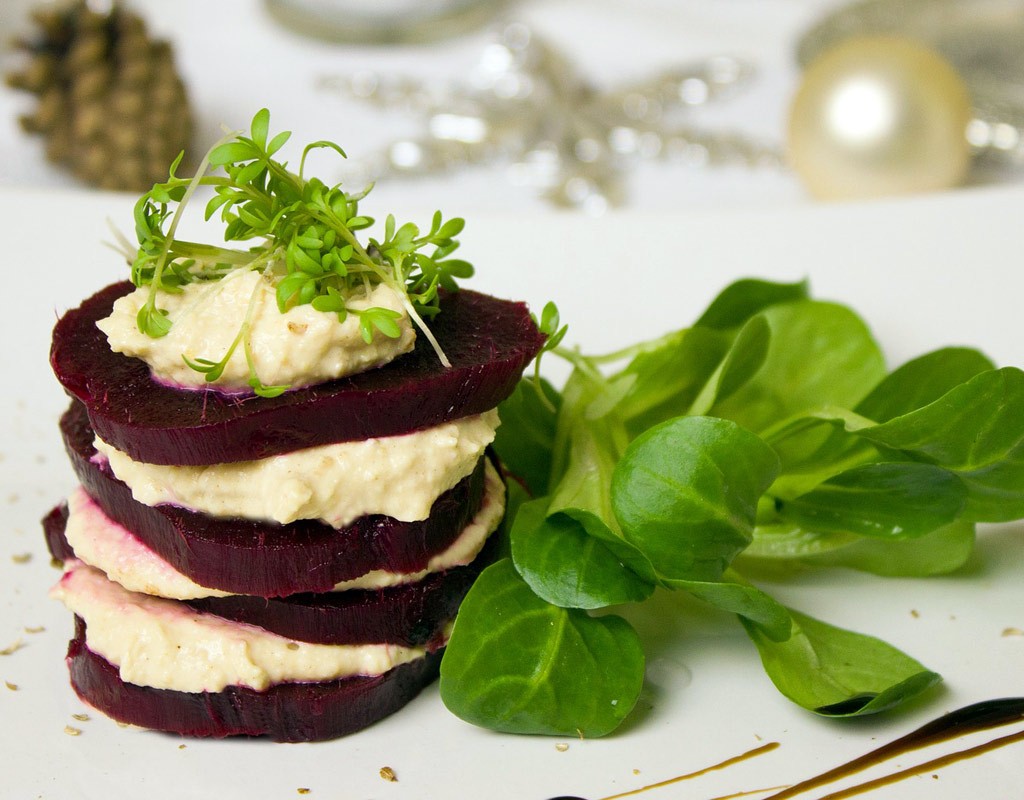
pixel 765 748
pixel 962 722
pixel 970 719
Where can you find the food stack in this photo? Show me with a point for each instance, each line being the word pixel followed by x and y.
pixel 201 607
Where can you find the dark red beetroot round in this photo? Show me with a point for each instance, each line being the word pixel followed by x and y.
pixel 411 614
pixel 489 342
pixel 287 712
pixel 267 559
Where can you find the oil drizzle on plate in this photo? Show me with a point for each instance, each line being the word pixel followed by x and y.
pixel 970 719
pixel 974 718
pixel 765 748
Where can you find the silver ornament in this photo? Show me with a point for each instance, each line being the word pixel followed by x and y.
pixel 528 107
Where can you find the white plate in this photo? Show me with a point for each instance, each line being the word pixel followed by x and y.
pixel 924 272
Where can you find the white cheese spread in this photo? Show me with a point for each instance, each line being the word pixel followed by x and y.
pixel 398 476
pixel 104 544
pixel 301 347
pixel 167 645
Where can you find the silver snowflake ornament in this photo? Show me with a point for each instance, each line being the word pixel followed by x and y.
pixel 527 106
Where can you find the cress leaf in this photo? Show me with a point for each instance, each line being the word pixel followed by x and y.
pixel 517 664
pixel 821 354
pixel 894 500
pixel 568 567
pixel 977 432
pixel 685 493
pixel 524 440
pixel 260 127
pixel 836 672
pixel 741 300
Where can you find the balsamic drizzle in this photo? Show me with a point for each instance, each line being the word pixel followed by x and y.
pixel 974 718
pixel 765 748
pixel 970 719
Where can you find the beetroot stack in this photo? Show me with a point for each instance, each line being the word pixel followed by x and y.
pixel 207 621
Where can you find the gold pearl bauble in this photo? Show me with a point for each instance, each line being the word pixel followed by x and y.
pixel 879 115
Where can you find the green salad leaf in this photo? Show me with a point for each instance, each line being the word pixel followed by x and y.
pixel 568 673
pixel 686 493
pixel 838 673
pixel 767 434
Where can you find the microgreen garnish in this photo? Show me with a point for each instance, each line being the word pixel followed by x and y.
pixel 769 433
pixel 305 242
pixel 550 325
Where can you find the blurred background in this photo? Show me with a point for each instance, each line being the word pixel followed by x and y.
pixel 508 106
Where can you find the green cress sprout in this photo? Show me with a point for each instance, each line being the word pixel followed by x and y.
pixel 305 243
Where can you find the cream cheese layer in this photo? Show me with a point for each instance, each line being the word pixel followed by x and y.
pixel 398 476
pixel 300 347
pixel 167 645
pixel 100 542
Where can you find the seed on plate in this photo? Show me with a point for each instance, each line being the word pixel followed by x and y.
pixel 72 731
pixel 36 629
pixel 12 686
pixel 80 717
pixel 1013 632
pixel 388 774
pixel 14 648
pixel 561 747
pixel 21 558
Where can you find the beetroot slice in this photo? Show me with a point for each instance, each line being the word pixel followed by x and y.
pixel 287 712
pixel 489 342
pixel 411 614
pixel 53 532
pixel 264 558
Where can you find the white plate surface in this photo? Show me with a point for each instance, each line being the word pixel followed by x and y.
pixel 924 272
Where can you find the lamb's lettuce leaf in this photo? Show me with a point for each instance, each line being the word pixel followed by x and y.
pixel 767 434
pixel 517 664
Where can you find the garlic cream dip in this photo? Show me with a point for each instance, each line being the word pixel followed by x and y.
pixel 301 347
pixel 167 645
pixel 399 476
pixel 100 542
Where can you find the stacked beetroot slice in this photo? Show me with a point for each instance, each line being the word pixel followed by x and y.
pixel 203 622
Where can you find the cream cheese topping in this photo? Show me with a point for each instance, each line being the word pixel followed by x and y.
pixel 398 476
pixel 167 645
pixel 301 347
pixel 100 542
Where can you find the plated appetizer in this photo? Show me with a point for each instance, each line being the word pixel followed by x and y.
pixel 283 454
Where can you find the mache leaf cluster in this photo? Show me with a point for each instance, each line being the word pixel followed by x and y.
pixel 768 432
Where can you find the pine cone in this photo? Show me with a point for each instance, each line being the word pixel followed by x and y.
pixel 111 106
